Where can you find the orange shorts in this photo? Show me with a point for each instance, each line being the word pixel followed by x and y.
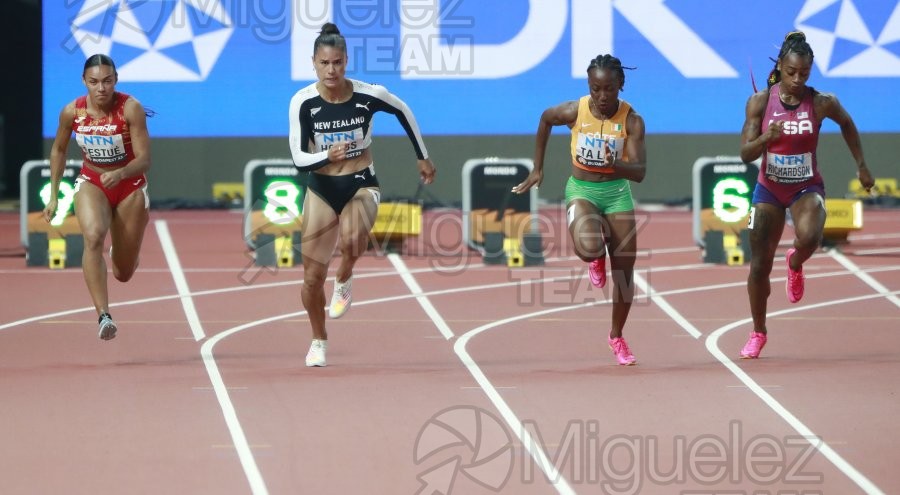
pixel 118 193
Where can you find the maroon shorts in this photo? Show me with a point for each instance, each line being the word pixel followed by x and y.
pixel 785 197
pixel 117 194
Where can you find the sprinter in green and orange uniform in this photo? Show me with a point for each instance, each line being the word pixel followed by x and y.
pixel 608 153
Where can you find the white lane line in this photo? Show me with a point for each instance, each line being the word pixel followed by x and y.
pixel 238 438
pixel 515 424
pixel 870 252
pixel 712 345
pixel 229 414
pixel 862 275
pixel 744 386
pixel 211 388
pixel 555 477
pixel 497 387
pixel 416 290
pixel 184 292
pixel 666 307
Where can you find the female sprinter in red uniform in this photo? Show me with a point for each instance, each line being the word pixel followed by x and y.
pixel 111 189
pixel 330 134
pixel 608 153
pixel 782 126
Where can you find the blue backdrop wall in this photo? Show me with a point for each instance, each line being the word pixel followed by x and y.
pixel 214 69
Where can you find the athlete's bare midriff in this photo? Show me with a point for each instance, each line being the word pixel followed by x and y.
pixel 348 166
pixel 586 176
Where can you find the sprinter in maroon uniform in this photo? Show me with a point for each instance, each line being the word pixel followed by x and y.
pixel 782 126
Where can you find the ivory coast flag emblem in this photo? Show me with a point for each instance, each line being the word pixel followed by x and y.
pixel 617 127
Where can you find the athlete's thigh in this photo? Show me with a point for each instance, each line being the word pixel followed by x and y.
pixel 586 224
pixel 808 214
pixel 766 225
pixel 129 221
pixel 320 230
pixel 93 211
pixel 359 214
pixel 622 236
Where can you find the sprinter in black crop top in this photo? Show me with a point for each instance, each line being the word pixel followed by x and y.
pixel 330 135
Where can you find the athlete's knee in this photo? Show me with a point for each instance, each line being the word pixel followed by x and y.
pixel 588 254
pixel 94 239
pixel 123 275
pixel 809 240
pixel 760 267
pixel 589 246
pixel 313 277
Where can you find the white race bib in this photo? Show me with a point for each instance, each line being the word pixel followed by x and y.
pixel 591 148
pixel 789 168
pixel 102 150
pixel 353 138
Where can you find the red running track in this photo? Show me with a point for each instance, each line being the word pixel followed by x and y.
pixel 448 376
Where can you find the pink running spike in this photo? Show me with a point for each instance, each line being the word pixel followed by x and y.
pixel 794 286
pixel 754 345
pixel 597 272
pixel 622 352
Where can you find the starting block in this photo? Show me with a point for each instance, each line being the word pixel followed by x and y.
pixel 56 253
pixel 284 251
pixel 734 255
pixel 228 192
pixel 280 251
pixel 394 223
pixel 841 217
pixel 726 248
pixel 513 250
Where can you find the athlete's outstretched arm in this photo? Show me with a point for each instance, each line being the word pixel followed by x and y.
pixel 395 106
pixel 833 110
pixel 390 103
pixel 406 118
pixel 563 114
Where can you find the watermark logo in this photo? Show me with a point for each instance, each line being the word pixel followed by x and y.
pixel 161 40
pixel 592 454
pixel 463 440
pixel 853 38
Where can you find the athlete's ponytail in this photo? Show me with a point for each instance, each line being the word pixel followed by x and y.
pixel 609 62
pixel 330 35
pixel 794 42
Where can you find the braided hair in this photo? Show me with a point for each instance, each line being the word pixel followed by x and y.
pixel 330 35
pixel 794 42
pixel 611 63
